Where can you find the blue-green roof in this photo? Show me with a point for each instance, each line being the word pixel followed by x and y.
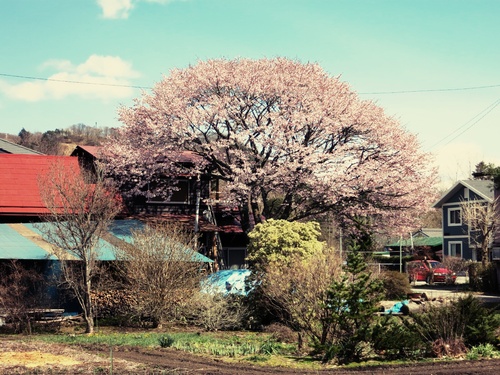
pixel 15 246
pixel 105 249
pixel 419 241
pixel 123 229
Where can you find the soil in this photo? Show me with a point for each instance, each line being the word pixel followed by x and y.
pixel 28 357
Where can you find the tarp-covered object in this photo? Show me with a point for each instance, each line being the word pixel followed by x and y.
pixel 398 308
pixel 227 282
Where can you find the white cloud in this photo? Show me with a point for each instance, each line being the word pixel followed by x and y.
pixel 102 77
pixel 456 161
pixel 115 9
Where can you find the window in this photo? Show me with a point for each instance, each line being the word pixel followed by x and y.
pixel 179 194
pixel 455 249
pixel 466 194
pixel 454 216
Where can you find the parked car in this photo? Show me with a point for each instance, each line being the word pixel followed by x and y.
pixel 430 271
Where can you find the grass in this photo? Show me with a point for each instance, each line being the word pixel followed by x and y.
pixel 233 347
pixel 240 345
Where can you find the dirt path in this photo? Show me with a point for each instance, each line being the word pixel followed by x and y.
pixel 41 358
pixel 185 363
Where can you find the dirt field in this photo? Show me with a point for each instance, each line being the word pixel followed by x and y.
pixel 36 358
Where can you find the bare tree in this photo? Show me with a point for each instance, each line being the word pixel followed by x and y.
pixel 79 213
pixel 21 291
pixel 162 272
pixel 298 290
pixel 483 219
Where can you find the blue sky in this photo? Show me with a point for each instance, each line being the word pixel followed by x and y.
pixel 383 49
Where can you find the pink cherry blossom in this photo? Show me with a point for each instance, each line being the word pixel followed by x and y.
pixel 277 131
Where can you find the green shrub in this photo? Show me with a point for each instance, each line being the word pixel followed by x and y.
pixel 166 341
pixel 393 339
pixel 482 351
pixel 483 278
pixel 270 347
pixel 350 307
pixel 450 328
pixel 481 322
pixel 396 285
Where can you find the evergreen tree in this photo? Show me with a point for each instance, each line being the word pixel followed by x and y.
pixel 351 302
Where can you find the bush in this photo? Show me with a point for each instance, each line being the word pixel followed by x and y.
pixel 281 333
pixel 482 351
pixel 457 265
pixel 450 328
pixel 481 322
pixel 166 341
pixel 214 311
pixel 392 338
pixel 396 285
pixel 483 278
pixel 350 307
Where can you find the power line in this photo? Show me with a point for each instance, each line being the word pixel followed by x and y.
pixel 465 128
pixel 473 121
pixel 429 90
pixel 148 87
pixel 73 82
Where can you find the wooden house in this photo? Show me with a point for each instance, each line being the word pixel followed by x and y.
pixel 457 234
pixel 195 202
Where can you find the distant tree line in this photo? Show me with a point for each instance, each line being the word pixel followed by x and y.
pixel 52 142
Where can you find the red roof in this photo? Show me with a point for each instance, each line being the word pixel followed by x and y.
pixel 179 156
pixel 92 150
pixel 19 179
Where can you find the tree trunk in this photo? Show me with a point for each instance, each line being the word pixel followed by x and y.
pixel 245 218
pixel 256 212
pixel 485 259
pixel 88 308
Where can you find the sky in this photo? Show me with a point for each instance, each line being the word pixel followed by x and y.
pixel 431 64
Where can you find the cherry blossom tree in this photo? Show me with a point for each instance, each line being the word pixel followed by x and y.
pixel 288 141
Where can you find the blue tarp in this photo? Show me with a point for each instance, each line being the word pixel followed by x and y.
pixel 227 282
pixel 396 309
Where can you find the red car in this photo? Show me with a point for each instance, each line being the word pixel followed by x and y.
pixel 430 271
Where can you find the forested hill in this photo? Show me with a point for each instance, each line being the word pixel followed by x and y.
pixel 60 141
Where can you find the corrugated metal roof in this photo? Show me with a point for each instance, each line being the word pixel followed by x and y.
pixel 19 243
pixel 419 241
pixel 94 151
pixel 19 181
pixel 13 245
pixel 13 148
pixel 105 251
pixel 123 229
